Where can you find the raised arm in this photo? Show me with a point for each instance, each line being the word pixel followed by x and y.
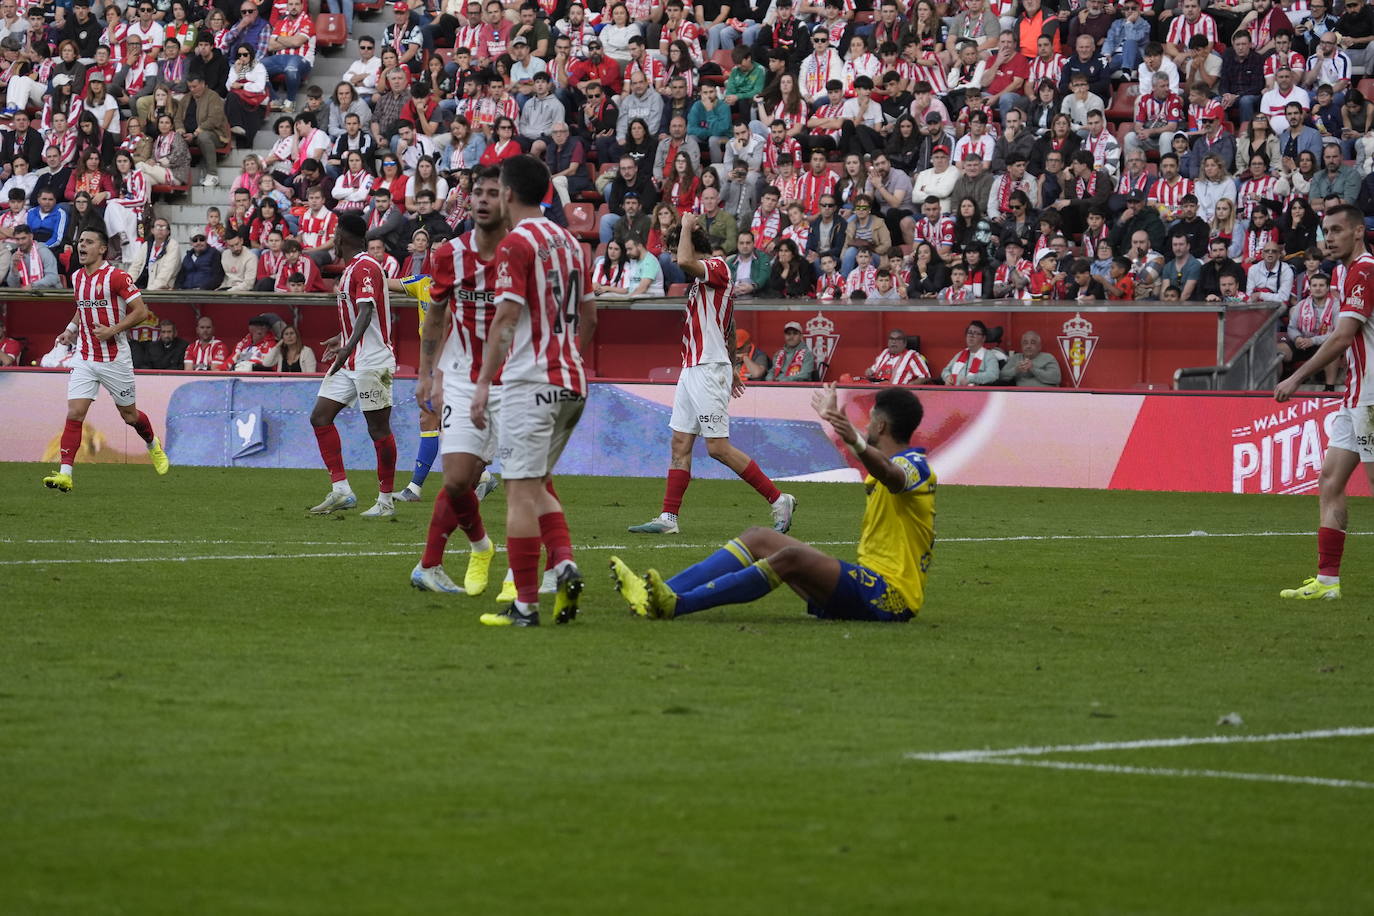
pixel 826 404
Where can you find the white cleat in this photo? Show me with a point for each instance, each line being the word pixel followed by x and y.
pixel 549 584
pixel 783 507
pixel 434 579
pixel 380 510
pixel 486 484
pixel 662 524
pixel 334 502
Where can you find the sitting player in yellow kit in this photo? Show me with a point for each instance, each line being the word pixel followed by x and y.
pixel 888 581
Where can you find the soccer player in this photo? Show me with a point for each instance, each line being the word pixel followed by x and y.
pixel 1352 431
pixel 421 288
pixel 710 377
pixel 362 370
pixel 545 315
pixel 461 289
pixel 887 583
pixel 107 306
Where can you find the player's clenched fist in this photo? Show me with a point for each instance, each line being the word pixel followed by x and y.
pixel 478 406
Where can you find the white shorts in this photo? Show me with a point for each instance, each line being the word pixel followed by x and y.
pixel 1353 430
pixel 537 419
pixel 701 404
pixel 459 435
pixel 370 387
pixel 89 376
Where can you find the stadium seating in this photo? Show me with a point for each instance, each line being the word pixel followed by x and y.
pixel 330 31
pixel 582 221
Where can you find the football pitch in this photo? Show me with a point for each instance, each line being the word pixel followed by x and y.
pixel 213 703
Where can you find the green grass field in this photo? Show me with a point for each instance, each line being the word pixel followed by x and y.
pixel 211 703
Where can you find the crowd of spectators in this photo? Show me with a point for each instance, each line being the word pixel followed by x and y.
pixel 977 149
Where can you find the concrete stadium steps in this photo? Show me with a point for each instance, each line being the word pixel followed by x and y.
pixel 186 212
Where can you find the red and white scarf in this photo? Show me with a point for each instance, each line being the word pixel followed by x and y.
pixel 794 365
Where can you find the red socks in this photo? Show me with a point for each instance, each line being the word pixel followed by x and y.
pixel 553 530
pixel 386 463
pixel 331 450
pixel 143 427
pixel 1330 546
pixel 469 515
pixel 441 525
pixel 759 481
pixel 677 487
pixel 523 555
pixel 71 441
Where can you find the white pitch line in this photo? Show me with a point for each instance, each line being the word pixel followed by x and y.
pixel 659 545
pixel 1165 771
pixel 1032 751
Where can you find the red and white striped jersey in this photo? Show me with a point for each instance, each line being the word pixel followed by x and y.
pixel 1155 112
pixel 710 310
pixel 766 227
pixel 317 230
pixel 1275 62
pixel 930 73
pixel 1181 31
pixel 102 298
pixel 1170 194
pixel 772 152
pixel 1255 240
pixel 830 286
pixel 1254 190
pixel 1357 301
pixel 937 233
pixel 983 147
pixel 655 71
pixel 799 233
pixel 1041 69
pixel 470 37
pixel 300 25
pixel 827 111
pixel 462 281
pixel 364 282
pixel 869 65
pixel 864 278
pixel 541 267
pixel 687 31
pixel 207 356
pixel 814 187
pixel 903 369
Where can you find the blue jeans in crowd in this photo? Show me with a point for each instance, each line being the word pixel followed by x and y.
pixel 346 8
pixel 1128 58
pixel 608 224
pixel 294 67
pixel 671 272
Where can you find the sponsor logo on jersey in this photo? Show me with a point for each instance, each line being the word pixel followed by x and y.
pixel 553 397
pixel 503 275
pixel 1077 343
pixel 822 340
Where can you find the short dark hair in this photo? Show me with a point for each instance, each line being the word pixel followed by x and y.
pixel 527 177
pixel 902 409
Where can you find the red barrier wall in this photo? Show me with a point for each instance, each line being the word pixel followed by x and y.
pixel 1124 349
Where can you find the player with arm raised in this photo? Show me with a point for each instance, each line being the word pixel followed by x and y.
pixel 545 316
pixel 888 581
pixel 461 289
pixel 107 306
pixel 1352 430
pixel 710 377
pixel 362 370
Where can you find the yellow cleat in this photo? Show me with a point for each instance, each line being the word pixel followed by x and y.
pixel 479 565
pixel 507 591
pixel 511 617
pixel 630 586
pixel 159 457
pixel 662 599
pixel 58 481
pixel 1312 590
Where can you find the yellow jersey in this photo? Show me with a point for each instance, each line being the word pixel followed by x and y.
pixel 899 528
pixel 419 288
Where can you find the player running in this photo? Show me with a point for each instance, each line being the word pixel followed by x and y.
pixel 107 306
pixel 362 371
pixel 461 289
pixel 1352 430
pixel 710 377
pixel 545 314
pixel 888 582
